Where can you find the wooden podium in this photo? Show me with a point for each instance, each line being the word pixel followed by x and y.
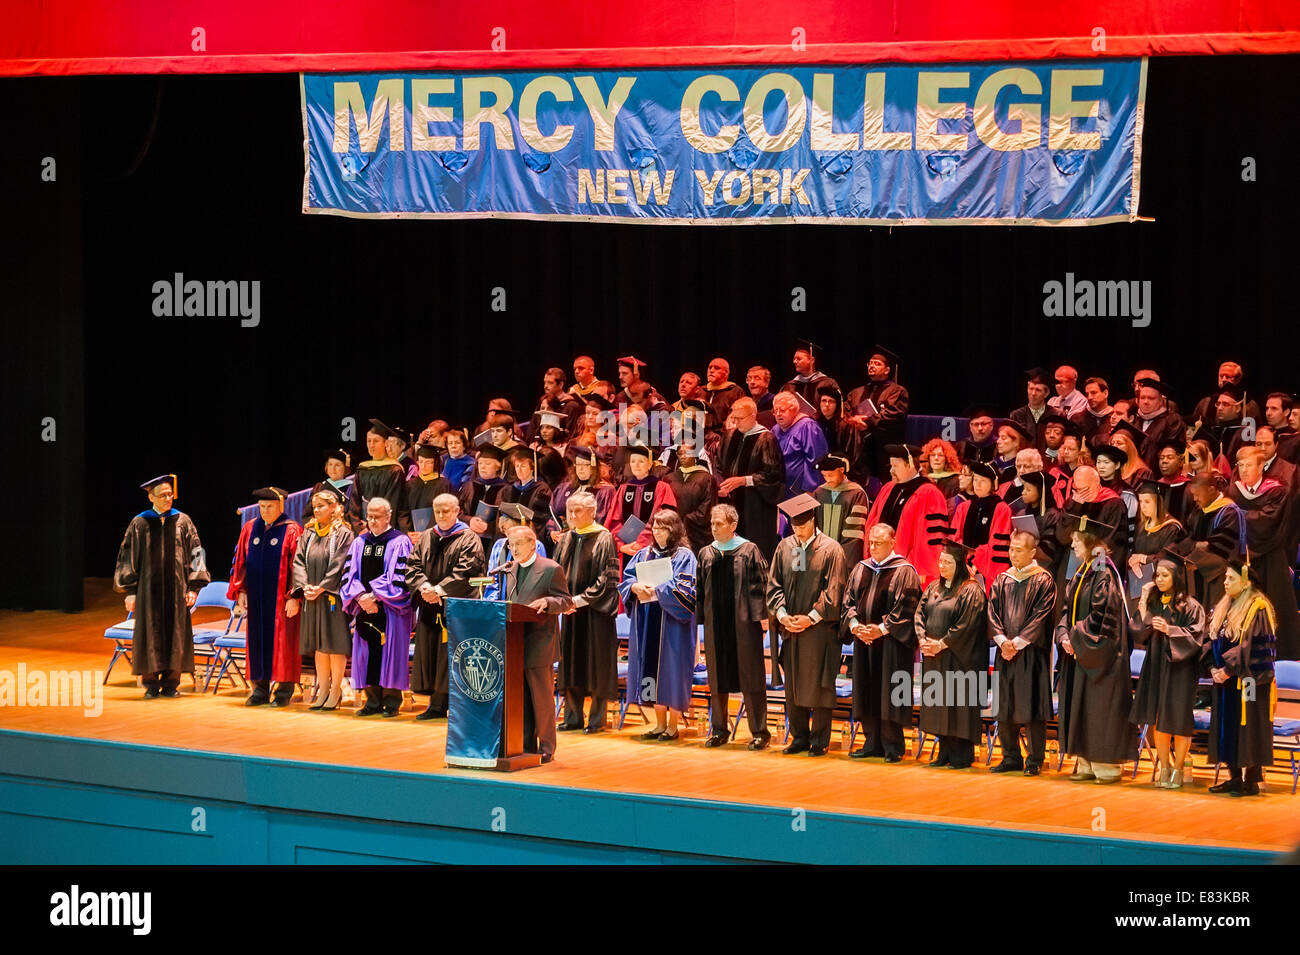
pixel 512 712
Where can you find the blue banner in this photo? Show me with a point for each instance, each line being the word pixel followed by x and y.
pixel 1047 142
pixel 476 669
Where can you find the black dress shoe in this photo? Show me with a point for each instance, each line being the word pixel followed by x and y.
pixel 1007 767
pixel 940 761
pixel 796 746
pixel 567 727
pixel 152 693
pixel 369 710
pixel 713 741
pixel 547 757
pixel 860 753
pixel 667 737
pixel 1247 789
pixel 1032 769
pixel 431 714
pixel 389 712
pixel 1229 785
pixel 594 729
pixel 816 750
pixel 652 734
pixel 258 698
pixel 893 758
pixel 760 741
pixel 281 701
pixel 952 765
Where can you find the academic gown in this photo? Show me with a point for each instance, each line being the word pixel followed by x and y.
pixel 807 385
pixel 842 517
pixel 1021 606
pixel 446 561
pixel 642 498
pixel 391 549
pixel 603 492
pixel 984 523
pixel 159 560
pixel 1166 687
pixel 1168 425
pixel 475 492
pixel 420 493
pixel 695 491
pixel 1241 728
pixel 661 642
pixel 918 513
pixel 1151 542
pixel 1267 514
pixel 886 594
pixel 536 496
pixel 458 470
pixel 1215 535
pixel 263 568
pixel 378 478
pixel 800 581
pixel 319 561
pixel 802 445
pixel 1108 508
pixel 957 618
pixel 1096 686
pixel 887 426
pixel 588 637
pixel 756 454
pixel 732 607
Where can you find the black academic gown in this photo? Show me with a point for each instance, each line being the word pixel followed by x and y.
pixel 733 617
pixel 1241 724
pixel 696 491
pixel 1096 687
pixel 1214 538
pixel 801 581
pixel 1022 606
pixel 588 636
pixel 757 455
pixel 951 678
pixel 885 594
pixel 1166 688
pixel 447 563
pixel 386 479
pixel 1268 516
pixel 886 427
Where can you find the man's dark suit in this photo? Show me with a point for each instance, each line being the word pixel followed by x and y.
pixel 543 579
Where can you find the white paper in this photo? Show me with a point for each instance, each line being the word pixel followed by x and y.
pixel 654 572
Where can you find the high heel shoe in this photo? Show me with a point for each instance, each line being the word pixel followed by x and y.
pixel 1162 777
pixel 1175 780
pixel 321 697
pixel 332 703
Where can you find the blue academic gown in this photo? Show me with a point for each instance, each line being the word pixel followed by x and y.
pixel 498 558
pixel 801 448
pixel 661 644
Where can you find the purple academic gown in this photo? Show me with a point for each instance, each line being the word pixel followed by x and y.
pixel 662 631
pixel 801 447
pixel 388 588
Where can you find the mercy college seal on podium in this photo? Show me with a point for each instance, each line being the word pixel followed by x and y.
pixel 478 667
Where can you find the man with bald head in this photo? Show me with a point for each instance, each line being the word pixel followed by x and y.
pixel 1230 373
pixel 720 393
pixel 448 555
pixel 1097 504
pixel 1068 400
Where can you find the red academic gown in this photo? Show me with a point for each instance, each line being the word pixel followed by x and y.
pixel 991 554
pixel 921 528
pixel 286 665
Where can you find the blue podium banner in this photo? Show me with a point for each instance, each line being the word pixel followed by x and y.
pixel 1040 142
pixel 476 659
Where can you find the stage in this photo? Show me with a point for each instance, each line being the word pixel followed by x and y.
pixel 204 779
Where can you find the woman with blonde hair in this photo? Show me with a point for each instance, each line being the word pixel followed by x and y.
pixel 317 580
pixel 1243 641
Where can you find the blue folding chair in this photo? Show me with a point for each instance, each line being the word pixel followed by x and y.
pixel 123 633
pixel 1135 661
pixel 1286 733
pixel 212 595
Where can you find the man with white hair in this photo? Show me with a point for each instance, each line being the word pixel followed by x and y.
pixel 802 444
pixel 374 593
pixel 588 637
pixel 448 555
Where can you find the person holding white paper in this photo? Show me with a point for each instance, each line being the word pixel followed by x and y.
pixel 661 644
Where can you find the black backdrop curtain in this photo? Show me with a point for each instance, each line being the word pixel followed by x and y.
pixel 203 176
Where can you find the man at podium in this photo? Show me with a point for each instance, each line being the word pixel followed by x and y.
pixel 538 582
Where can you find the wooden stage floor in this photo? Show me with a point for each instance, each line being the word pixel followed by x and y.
pixel 619 762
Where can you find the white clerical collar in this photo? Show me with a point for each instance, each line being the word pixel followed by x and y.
pixel 529 562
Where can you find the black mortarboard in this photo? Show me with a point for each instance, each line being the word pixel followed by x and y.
pixel 1038 376
pixel 516 512
pixel 799 508
pixel 1087 525
pixel 804 344
pixel 980 411
pixel 577 452
pixel 507 411
pixel 1134 433
pixel 831 462
pixel 1182 560
pixel 427 451
pixel 908 452
pixel 1053 418
pixel 1027 437
pixel 631 361
pixel 325 487
pixel 492 451
pixel 1072 429
pixel 270 494
pixel 150 484
pixel 1112 452
pixel 1037 478
pixel 641 450
pixel 1233 391
pixel 1151 383
pixel 596 398
pixel 1149 487
pixel 338 454
pixel 1173 441
pixel 888 354
pixel 830 388
pixel 986 471
pixel 383 430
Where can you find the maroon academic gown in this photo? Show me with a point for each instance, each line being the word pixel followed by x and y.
pixel 286 659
